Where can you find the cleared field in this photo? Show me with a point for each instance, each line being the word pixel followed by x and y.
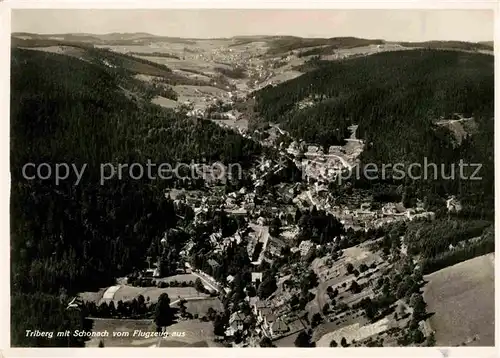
pixel 236 124
pixel 173 344
pixel 283 77
pixel 179 278
pixel 190 333
pixel 197 91
pixel 343 320
pixel 90 296
pixel 63 50
pixel 126 293
pixel 165 102
pixel 116 325
pixel 460 128
pixel 462 298
pixel 200 307
pixel 354 332
pixel 288 341
pixel 200 96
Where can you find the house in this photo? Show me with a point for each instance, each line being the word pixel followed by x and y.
pixel 366 206
pixel 306 247
pixel 453 205
pixel 278 328
pixel 389 209
pixel 420 206
pixel 214 264
pixel 261 309
pixel 429 215
pixel 237 320
pixel 215 237
pixel 230 202
pixel 294 250
pixel 364 211
pixel 237 212
pixel 312 149
pixel 256 276
pixel 236 323
pixel 400 209
pixel 252 301
pixel 268 319
pixel 275 245
pixel 151 272
pixel 410 213
pixel 261 221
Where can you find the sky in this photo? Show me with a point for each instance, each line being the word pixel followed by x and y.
pixel 391 25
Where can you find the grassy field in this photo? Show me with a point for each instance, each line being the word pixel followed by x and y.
pixel 287 341
pixel 92 296
pixel 117 325
pixel 341 321
pixel 354 332
pixel 165 102
pixel 200 307
pixel 190 333
pixel 461 298
pixel 126 293
pixel 179 278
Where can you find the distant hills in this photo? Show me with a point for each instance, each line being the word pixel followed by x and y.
pixel 114 38
pixel 277 44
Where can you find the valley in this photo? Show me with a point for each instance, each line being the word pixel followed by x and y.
pixel 300 248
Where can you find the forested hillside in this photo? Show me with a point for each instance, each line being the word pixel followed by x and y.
pixel 396 99
pixel 67 238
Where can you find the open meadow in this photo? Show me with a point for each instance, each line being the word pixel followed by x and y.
pixel 126 293
pixel 462 296
pixel 121 327
pixel 192 333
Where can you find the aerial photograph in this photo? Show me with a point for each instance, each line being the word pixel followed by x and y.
pixel 252 178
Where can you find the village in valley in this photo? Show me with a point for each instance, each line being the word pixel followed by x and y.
pixel 315 268
pixel 294 248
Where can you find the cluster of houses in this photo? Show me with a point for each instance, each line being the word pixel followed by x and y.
pixel 272 321
pixel 365 218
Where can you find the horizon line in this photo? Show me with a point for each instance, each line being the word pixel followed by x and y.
pixel 235 36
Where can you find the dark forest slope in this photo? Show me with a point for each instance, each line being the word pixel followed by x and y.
pixel 395 98
pixel 71 238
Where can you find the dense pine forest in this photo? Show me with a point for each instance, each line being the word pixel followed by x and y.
pixel 396 98
pixel 67 238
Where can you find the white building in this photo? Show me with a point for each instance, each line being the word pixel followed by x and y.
pixel 305 247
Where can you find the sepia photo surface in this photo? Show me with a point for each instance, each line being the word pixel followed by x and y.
pixel 252 178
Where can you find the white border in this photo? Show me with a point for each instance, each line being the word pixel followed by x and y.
pixel 5 8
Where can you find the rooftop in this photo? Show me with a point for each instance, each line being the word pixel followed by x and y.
pixel 256 276
pixel 279 326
